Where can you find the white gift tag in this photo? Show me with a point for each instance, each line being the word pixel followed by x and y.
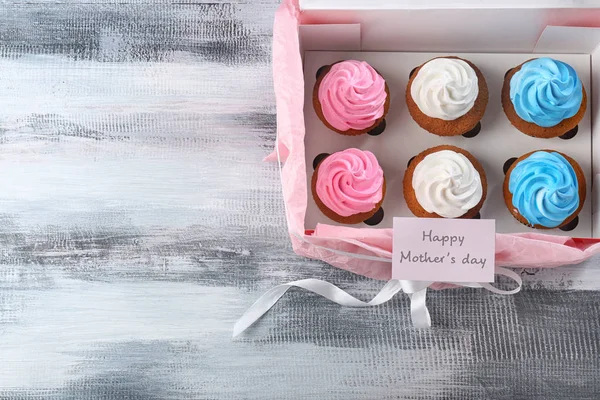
pixel 444 250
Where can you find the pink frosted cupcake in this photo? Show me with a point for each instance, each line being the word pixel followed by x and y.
pixel 351 98
pixel 349 187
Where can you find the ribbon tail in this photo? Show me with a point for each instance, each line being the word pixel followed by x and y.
pixel 259 308
pixel 322 288
pixel 509 274
pixel 418 309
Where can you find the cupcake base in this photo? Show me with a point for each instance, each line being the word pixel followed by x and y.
pixel 563 128
pixel 376 129
pixel 515 213
pixel 351 219
pixel 570 134
pixel 411 197
pixel 460 126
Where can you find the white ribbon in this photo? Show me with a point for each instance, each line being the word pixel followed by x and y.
pixel 419 314
pixel 322 288
pixel 417 292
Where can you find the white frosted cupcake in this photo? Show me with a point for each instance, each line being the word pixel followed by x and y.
pixel 447 96
pixel 445 182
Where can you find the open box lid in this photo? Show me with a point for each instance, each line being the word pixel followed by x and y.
pixel 465 26
pixel 419 4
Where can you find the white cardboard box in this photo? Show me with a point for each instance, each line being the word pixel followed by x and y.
pixel 564 27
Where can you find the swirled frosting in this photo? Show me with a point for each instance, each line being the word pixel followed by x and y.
pixel 545 189
pixel 445 88
pixel 545 92
pixel 446 183
pixel 352 95
pixel 350 182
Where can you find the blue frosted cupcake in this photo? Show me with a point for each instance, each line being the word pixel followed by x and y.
pixel 545 189
pixel 544 98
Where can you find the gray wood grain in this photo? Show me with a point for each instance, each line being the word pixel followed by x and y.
pixel 137 223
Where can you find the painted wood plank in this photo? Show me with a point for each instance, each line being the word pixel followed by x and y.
pixel 137 223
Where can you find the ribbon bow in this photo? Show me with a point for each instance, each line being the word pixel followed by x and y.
pixel 417 292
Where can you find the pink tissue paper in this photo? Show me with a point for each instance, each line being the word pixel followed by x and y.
pixel 337 245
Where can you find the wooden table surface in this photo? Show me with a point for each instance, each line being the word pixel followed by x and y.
pixel 137 223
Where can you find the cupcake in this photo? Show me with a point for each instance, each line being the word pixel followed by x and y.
pixel 544 189
pixel 348 186
pixel 447 96
pixel 445 182
pixel 544 98
pixel 351 98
